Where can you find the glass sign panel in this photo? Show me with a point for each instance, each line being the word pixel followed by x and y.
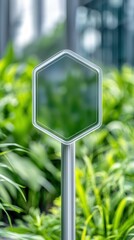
pixel 67 96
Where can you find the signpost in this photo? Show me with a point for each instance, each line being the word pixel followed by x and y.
pixel 67 105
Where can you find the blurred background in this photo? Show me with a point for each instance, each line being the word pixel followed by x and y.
pixel 101 30
pixel 30 161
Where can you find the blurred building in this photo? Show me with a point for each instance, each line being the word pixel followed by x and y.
pixel 109 24
pixel 101 30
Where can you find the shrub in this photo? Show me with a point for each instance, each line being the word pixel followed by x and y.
pixel 104 173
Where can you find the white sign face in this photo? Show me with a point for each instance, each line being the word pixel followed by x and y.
pixel 67 102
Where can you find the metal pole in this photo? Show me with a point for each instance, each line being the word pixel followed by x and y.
pixel 71 33
pixel 38 17
pixel 68 192
pixel 4 25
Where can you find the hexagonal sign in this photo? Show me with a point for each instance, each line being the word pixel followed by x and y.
pixel 67 102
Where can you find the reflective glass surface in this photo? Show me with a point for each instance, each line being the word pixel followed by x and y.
pixel 67 97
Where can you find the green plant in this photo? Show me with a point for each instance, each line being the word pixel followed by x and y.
pixel 105 206
pixel 8 187
pixel 16 126
pixel 104 174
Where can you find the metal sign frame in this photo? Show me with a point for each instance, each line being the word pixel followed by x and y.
pixel 83 62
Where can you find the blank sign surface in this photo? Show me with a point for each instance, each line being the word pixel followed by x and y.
pixel 67 97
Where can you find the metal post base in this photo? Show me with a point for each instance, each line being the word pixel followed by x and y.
pixel 68 192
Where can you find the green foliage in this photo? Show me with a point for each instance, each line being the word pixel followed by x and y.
pixel 8 187
pixel 105 168
pixel 32 167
